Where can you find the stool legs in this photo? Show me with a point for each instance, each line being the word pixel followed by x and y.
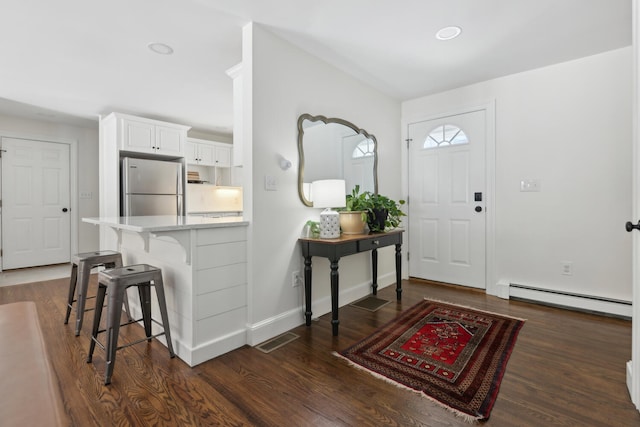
pixel 72 291
pixel 102 290
pixel 114 313
pixel 84 272
pixel 79 283
pixel 145 305
pixel 115 290
pixel 162 304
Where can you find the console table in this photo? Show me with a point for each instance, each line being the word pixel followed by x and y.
pixel 334 249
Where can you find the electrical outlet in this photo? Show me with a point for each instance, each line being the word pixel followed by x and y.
pixel 567 268
pixel 296 279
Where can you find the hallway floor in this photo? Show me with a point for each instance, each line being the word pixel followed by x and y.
pixel 34 274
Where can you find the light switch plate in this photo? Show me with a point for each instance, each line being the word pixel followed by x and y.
pixel 270 183
pixel 530 185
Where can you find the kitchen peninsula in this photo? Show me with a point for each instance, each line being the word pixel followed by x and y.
pixel 204 268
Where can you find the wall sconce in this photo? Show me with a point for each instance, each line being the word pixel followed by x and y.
pixel 329 193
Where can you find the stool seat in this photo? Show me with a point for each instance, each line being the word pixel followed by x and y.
pixel 81 265
pixel 114 283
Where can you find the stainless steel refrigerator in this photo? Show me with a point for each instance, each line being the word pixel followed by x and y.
pixel 151 187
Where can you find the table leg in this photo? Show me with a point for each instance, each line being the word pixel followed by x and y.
pixel 399 272
pixel 334 297
pixel 307 289
pixel 374 266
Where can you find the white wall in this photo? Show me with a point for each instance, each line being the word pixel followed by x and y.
pixel 569 126
pixel 87 165
pixel 285 83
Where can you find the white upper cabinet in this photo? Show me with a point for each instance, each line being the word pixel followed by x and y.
pixel 207 153
pixel 151 136
pixel 223 155
pixel 200 152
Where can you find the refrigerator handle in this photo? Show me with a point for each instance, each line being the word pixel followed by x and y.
pixel 179 203
pixel 180 180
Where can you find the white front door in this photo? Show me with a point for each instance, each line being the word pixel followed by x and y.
pixel 36 224
pixel 447 193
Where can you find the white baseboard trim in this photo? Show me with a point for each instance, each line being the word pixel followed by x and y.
pixel 570 300
pixel 216 347
pixel 630 378
pixel 502 290
pixel 268 328
pixel 193 356
pixel 272 327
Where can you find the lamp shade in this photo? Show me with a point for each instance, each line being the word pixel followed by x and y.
pixel 329 193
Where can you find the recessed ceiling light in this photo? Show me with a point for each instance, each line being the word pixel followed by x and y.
pixel 161 48
pixel 448 33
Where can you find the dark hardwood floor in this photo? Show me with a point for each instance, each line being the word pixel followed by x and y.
pixel 567 369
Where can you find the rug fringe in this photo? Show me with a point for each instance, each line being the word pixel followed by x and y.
pixel 474 308
pixel 466 417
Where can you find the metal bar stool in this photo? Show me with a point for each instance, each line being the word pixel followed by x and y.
pixel 81 265
pixel 114 283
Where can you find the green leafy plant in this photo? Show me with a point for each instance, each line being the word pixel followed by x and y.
pixel 378 205
pixel 314 228
pixel 373 205
pixel 357 202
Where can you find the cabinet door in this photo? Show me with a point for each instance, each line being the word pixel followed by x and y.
pixel 223 155
pixel 206 154
pixel 191 153
pixel 169 140
pixel 138 136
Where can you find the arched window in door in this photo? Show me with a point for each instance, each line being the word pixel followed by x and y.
pixel 445 136
pixel 363 149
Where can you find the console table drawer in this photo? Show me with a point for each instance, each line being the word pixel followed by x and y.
pixel 376 242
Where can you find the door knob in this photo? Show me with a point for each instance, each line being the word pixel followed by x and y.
pixel 64 209
pixel 629 226
pixel 478 208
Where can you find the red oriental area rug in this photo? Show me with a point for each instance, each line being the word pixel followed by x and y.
pixel 455 356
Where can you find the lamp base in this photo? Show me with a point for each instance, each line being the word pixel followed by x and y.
pixel 329 224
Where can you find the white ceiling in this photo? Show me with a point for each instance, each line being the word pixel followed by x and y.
pixel 72 60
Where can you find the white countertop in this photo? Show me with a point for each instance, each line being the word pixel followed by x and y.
pixel 166 222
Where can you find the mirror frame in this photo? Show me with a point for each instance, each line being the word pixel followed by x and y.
pixel 326 120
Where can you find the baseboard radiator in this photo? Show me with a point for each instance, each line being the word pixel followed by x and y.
pixel 588 303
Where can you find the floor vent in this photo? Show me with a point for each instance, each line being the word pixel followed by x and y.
pixel 277 342
pixel 370 303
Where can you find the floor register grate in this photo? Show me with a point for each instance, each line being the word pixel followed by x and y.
pixel 370 303
pixel 277 342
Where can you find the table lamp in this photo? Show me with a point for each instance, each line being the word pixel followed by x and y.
pixel 329 193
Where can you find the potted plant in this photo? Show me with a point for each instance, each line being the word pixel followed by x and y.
pixel 353 217
pixel 383 212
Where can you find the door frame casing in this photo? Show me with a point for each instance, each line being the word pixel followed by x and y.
pixel 73 180
pixel 489 107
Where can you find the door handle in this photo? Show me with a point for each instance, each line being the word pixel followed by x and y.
pixel 64 209
pixel 478 208
pixel 629 226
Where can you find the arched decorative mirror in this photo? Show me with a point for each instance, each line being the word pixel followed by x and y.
pixel 331 148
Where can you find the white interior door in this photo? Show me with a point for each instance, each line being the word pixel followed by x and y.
pixel 447 193
pixel 36 225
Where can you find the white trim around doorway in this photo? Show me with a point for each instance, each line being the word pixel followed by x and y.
pixel 73 178
pixel 489 107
